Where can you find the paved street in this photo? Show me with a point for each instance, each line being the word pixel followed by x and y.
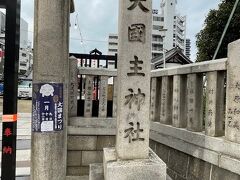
pixel 23 138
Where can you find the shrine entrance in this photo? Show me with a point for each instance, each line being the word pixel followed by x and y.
pixel 95 59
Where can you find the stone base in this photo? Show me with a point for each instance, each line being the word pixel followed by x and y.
pixel 143 169
pixel 96 172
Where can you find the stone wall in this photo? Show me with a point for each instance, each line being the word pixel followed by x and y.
pixel 181 166
pixel 85 150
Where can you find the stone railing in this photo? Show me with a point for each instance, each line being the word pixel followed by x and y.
pixel 190 96
pixel 194 108
pixel 95 89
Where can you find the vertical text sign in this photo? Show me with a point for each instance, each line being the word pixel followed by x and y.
pixel 135 22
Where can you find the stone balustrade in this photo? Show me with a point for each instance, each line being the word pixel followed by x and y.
pixel 194 109
pixel 191 97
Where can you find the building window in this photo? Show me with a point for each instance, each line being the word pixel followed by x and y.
pixel 157 47
pixel 113 44
pixel 113 37
pixel 157 38
pixel 112 50
pixel 157 18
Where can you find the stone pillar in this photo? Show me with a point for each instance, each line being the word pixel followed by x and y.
pixel 88 96
pixel 166 100
pixel 214 113
pixel 73 87
pixel 114 111
pixel 179 106
pixel 132 158
pixel 155 93
pixel 51 64
pixel 103 97
pixel 232 125
pixel 134 54
pixel 195 104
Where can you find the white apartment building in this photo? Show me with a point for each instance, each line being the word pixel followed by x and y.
pixel 188 48
pixel 25 61
pixel 25 52
pixel 112 44
pixel 168 30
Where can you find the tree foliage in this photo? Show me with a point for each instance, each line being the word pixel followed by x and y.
pixel 215 22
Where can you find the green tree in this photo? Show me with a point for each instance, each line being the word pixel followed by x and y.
pixel 209 36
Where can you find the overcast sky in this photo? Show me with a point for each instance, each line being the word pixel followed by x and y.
pixel 98 18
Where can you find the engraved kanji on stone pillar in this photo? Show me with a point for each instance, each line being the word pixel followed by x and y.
pixel 166 100
pixel 114 114
pixel 73 87
pixel 134 54
pixel 155 100
pixel 194 102
pixel 232 123
pixel 214 113
pixel 88 96
pixel 179 107
pixel 103 96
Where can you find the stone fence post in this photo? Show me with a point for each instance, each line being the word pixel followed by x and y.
pixel 232 123
pixel 73 87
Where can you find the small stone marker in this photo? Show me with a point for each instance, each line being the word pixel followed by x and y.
pixel 232 125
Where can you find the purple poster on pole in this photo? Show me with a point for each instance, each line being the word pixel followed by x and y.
pixel 47 107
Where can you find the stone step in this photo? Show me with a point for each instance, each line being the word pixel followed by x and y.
pixel 77 178
pixel 91 126
pixel 96 171
pixel 76 130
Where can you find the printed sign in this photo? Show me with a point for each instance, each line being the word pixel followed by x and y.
pixel 47 107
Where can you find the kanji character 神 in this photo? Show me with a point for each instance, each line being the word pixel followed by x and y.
pixel 133 98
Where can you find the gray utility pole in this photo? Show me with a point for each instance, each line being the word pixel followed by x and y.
pixel 225 29
pixel 50 89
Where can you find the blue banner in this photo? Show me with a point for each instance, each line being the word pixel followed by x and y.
pixel 47 107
